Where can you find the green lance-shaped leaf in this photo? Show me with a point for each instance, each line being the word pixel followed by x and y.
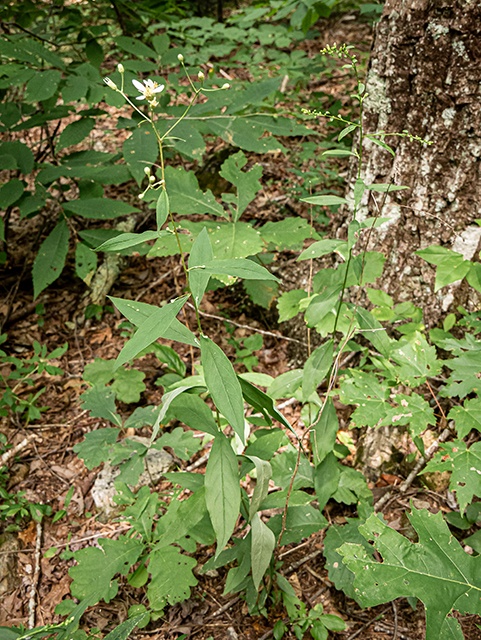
pixel 264 474
pixel 50 259
pixel 326 479
pixel 222 490
pixel 323 435
pixel 239 268
pixel 359 189
pixel 162 208
pixel 126 240
pixel 166 400
pixel 325 200
pixel 436 570
pixel 193 411
pixel 148 331
pixel 201 253
pixel 263 544
pixel 223 385
pixel 123 631
pixel 316 368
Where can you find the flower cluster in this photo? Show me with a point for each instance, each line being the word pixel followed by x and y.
pixel 148 90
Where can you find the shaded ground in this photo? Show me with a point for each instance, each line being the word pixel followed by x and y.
pixel 48 467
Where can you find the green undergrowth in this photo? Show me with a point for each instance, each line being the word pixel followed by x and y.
pixel 401 375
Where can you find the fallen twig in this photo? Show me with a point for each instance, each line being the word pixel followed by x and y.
pixel 423 460
pixel 14 450
pixel 367 624
pixel 35 578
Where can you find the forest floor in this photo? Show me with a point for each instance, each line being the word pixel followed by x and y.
pixel 47 467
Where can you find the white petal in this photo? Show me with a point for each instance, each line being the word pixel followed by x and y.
pixel 149 83
pixel 139 86
pixel 158 89
pixel 140 98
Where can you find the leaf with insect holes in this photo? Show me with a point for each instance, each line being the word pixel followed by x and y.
pixel 417 360
pixel 222 489
pixel 465 465
pixel 467 417
pixel 436 570
pixel 246 182
pixel 100 565
pixel 171 577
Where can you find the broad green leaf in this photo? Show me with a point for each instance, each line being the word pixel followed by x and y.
pixel 85 262
pixel 183 443
pixel 150 330
pixel 200 253
pixel 246 182
pixel 99 565
pixel 138 312
pixel 136 47
pixel 322 304
pixel 379 297
pixel 99 208
pixel 192 411
pixel 316 368
pixel 412 410
pixel 285 385
pixel 50 260
pixel 223 385
pixel 288 303
pixel 94 448
pixel 168 356
pixel 261 292
pixel 126 240
pixel 417 360
pixel 301 522
pixel 162 208
pixel 263 545
pixel 467 417
pixel 326 479
pixel 253 94
pixel 325 200
pixel 370 396
pixel 283 466
pixel 167 399
pixel 474 276
pixel 140 150
pixel 465 465
pixel 222 489
pixel 239 268
pixel 322 248
pixel 43 85
pixel 185 196
pixel 75 132
pixel 10 192
pixel 373 331
pixel 336 536
pixel 128 384
pixel 100 401
pixel 230 240
pixel 171 577
pixel 287 233
pixel 245 133
pixel 323 434
pixel 436 569
pixel 263 475
pixel 23 155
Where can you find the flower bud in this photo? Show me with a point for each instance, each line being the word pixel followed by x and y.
pixel 147 171
pixel 226 86
pixel 141 196
pixel 201 75
pixel 120 68
pixel 110 84
pixel 151 178
pixel 180 58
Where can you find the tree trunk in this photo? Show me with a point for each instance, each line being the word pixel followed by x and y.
pixel 424 76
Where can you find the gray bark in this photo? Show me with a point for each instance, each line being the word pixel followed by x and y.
pixel 424 76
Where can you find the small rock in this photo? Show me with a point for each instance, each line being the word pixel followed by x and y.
pixel 156 463
pixel 231 634
pixel 9 579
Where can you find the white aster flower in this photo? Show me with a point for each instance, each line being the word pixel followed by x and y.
pixel 110 83
pixel 148 89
